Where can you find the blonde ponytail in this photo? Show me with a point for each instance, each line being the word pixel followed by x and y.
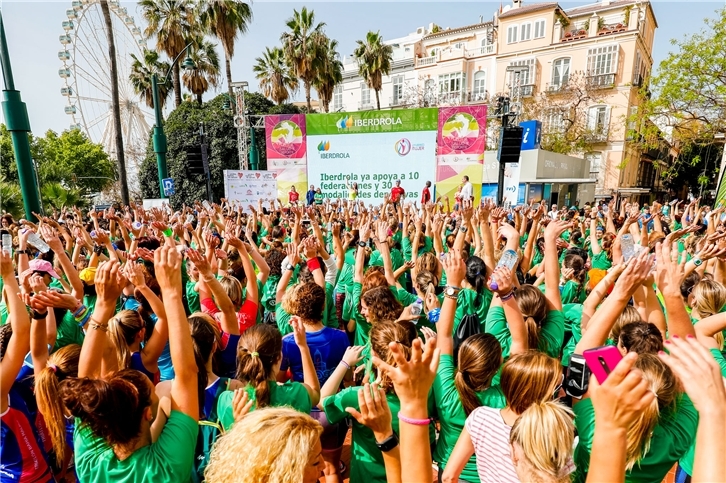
pixel 122 330
pixel 545 433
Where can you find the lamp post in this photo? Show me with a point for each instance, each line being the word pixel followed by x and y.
pixel 159 137
pixel 16 117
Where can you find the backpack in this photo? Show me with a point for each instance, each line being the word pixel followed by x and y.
pixel 209 430
pixel 468 326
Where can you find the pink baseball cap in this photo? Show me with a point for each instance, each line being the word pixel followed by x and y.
pixel 38 265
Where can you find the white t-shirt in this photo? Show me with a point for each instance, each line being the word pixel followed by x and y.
pixel 467 191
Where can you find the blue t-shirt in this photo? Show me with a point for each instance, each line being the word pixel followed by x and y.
pixel 327 347
pixel 228 355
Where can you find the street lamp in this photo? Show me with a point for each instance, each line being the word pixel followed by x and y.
pixel 158 137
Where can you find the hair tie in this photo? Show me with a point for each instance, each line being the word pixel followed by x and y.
pixel 52 367
pixel 255 354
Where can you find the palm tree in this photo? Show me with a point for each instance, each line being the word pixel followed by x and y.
pixel 140 77
pixel 115 103
pixel 56 196
pixel 330 73
pixel 226 19
pixel 302 47
pixel 374 61
pixel 206 68
pixel 275 76
pixel 172 22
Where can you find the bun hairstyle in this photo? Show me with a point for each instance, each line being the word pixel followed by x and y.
pixel 479 359
pixel 205 334
pixel 306 300
pixel 111 408
pixel 629 315
pixel 533 305
pixel 382 334
pixel 122 331
pixel 546 434
pixel 641 337
pixel 663 383
pixel 258 350
pixel 382 305
pixel 426 282
pixel 529 378
pixel 62 364
pixel 476 273
pixel 577 264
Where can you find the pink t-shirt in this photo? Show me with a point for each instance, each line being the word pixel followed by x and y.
pixel 490 435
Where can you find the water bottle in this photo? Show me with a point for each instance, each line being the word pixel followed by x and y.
pixel 35 240
pixel 8 243
pixel 509 259
pixel 627 247
pixel 137 225
pixel 417 307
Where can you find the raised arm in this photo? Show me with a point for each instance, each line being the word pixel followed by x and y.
pixel 252 290
pixel 288 268
pixel 51 238
pixel 310 375
pixel 552 264
pixel 184 391
pixel 669 275
pixel 20 323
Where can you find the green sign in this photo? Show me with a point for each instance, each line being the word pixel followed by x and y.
pixel 399 120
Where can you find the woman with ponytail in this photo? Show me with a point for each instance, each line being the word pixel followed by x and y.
pixel 259 357
pixel 528 378
pixel 541 443
pixel 458 391
pixel 542 313
pixel 572 282
pixel 113 438
pixel 600 250
pixel 367 461
pixel 126 332
pixel 62 364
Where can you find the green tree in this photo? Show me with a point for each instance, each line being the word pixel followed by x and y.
pixel 11 197
pixel 330 72
pixel 140 77
pixel 374 61
pixel 56 196
pixel 276 79
pixel 171 22
pixel 206 69
pixel 225 20
pixel 301 45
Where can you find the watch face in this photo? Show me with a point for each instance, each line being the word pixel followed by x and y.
pixel 450 291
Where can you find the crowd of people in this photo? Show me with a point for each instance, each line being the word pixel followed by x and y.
pixel 463 342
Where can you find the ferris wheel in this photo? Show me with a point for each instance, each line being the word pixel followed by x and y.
pixel 86 75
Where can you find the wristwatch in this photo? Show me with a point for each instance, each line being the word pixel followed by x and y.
pixel 462 229
pixel 388 444
pixel 362 244
pixel 289 266
pixel 452 292
pixel 697 262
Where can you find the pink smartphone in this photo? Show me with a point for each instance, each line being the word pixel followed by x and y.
pixel 602 360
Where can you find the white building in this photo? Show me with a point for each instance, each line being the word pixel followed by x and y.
pixel 354 95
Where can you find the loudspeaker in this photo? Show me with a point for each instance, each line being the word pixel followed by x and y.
pixel 195 160
pixel 510 144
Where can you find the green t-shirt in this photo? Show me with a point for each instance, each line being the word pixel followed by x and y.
pixel 686 463
pixel 672 436
pixel 573 330
pixel 283 319
pixel 469 302
pixel 601 261
pixel 3 312
pixel 269 293
pixel 68 332
pixel 169 459
pixel 572 292
pixel 292 394
pixel 366 464
pixel 362 327
pixel 192 297
pixel 318 198
pixel 407 248
pixel 551 334
pixel 452 416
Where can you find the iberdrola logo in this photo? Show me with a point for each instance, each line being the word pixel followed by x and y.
pixel 344 122
pixel 324 146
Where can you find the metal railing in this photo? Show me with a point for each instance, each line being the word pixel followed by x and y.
pixel 601 80
pixel 366 106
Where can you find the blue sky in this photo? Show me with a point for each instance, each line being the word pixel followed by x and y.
pixel 33 28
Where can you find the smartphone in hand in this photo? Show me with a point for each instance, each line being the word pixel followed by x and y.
pixel 602 361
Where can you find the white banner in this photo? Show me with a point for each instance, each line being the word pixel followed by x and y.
pixel 373 160
pixel 248 187
pixel 511 183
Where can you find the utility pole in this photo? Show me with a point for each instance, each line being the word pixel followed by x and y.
pixel 16 117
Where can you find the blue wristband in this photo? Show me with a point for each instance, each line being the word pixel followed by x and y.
pixel 434 315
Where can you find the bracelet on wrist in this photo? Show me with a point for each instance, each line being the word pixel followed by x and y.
pixel 345 364
pixel 79 310
pixel 415 422
pixel 35 315
pixel 506 297
pixel 313 264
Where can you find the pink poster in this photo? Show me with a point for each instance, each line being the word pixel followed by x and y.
pixel 460 149
pixel 285 138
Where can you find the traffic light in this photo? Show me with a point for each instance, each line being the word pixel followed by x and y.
pixel 510 144
pixel 195 161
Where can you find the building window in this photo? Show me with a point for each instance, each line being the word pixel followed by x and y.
pixel 553 121
pixel 365 94
pixel 598 121
pixel 338 97
pixel 512 34
pixel 429 94
pixel 451 86
pixel 539 29
pixel 459 45
pixel 560 72
pixel 602 63
pixel 397 89
pixel 595 165
pixel 525 32
pixel 479 89
pixel 523 79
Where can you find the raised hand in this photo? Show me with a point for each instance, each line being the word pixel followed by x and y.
pixel 670 270
pixel 412 379
pixel 134 272
pixel 374 411
pixel 292 254
pixel 298 330
pixel 502 276
pixel 167 268
pixel 241 404
pixel 201 262
pixel 455 268
pixel 109 282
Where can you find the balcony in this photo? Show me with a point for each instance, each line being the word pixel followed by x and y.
pixel 479 51
pixel 557 88
pixel 366 106
pixel 574 35
pixel 477 97
pixel 426 61
pixel 396 101
pixel 597 135
pixel 526 90
pixel 614 28
pixel 601 81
